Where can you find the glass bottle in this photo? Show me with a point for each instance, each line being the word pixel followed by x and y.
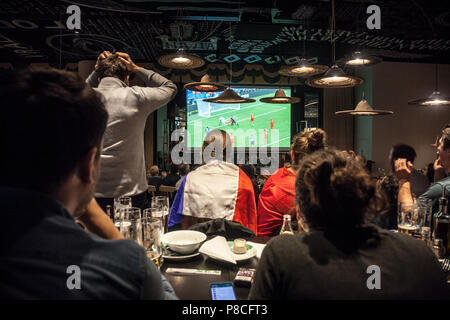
pixel 287 226
pixel 442 222
pixel 108 212
pixel 438 248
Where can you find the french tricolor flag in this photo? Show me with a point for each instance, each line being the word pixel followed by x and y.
pixel 217 189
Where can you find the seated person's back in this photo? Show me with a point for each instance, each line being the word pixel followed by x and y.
pixel 277 197
pixel 217 189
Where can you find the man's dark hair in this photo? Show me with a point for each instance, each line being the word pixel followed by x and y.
pixel 174 168
pixel 49 121
pixel 402 151
pixel 184 169
pixel 112 66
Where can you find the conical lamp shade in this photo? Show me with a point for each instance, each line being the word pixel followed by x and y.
pixel 229 96
pixel 280 97
pixel 364 109
pixel 359 59
pixel 303 69
pixel 435 99
pixel 205 85
pixel 181 60
pixel 335 77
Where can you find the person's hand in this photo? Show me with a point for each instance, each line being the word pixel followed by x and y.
pixel 403 169
pixel 101 56
pixel 437 165
pixel 439 171
pixel 125 57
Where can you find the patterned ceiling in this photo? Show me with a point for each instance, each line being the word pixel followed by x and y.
pixel 223 31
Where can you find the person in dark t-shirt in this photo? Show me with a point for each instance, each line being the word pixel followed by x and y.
pixel 339 255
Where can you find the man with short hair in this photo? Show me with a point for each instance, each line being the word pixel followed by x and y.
pixel 434 192
pixel 51 117
pixel 123 161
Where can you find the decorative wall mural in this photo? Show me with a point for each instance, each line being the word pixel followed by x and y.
pixel 253 33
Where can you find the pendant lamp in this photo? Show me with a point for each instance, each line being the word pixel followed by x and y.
pixel 280 97
pixel 181 60
pixel 335 77
pixel 205 85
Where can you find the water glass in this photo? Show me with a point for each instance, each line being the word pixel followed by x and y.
pixel 152 231
pixel 160 209
pixel 121 203
pixel 130 224
pixel 425 212
pixel 408 218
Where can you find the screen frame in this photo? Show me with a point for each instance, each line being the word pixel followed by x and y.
pixel 246 150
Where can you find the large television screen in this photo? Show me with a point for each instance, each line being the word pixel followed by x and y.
pixel 255 124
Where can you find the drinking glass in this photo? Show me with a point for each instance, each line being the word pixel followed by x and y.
pixel 152 230
pixel 425 212
pixel 120 203
pixel 160 209
pixel 408 218
pixel 130 224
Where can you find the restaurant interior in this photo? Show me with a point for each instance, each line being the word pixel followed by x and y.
pixel 371 73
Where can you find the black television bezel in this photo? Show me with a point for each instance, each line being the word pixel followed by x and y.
pixel 269 86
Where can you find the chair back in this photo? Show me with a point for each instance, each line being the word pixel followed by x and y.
pixel 168 191
pixel 152 190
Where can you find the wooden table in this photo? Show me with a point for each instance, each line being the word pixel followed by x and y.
pixel 197 287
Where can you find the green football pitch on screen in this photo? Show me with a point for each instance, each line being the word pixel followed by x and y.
pixel 255 124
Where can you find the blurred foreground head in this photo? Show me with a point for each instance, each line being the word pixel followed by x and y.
pixel 51 131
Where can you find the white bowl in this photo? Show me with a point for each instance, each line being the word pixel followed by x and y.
pixel 184 241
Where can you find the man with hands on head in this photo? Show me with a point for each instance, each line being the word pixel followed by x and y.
pixel 122 160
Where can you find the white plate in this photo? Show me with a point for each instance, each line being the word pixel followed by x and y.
pixel 180 257
pixel 251 252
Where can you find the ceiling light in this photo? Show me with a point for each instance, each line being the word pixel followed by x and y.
pixel 205 85
pixel 358 59
pixel 181 60
pixel 435 99
pixel 302 69
pixel 363 108
pixel 229 96
pixel 280 97
pixel 335 77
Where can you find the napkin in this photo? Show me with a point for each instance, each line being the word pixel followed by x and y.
pixel 259 248
pixel 217 248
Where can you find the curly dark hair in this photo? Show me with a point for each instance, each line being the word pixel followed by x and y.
pixel 307 142
pixel 334 192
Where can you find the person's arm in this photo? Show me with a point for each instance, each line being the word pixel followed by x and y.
pixel 97 221
pixel 158 91
pixel 403 169
pixel 154 285
pixel 266 285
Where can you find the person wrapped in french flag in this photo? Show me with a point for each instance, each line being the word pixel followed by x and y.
pixel 217 189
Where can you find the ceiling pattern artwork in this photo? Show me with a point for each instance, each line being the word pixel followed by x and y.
pixel 267 34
